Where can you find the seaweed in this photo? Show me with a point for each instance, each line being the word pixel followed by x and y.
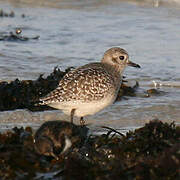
pixel 150 152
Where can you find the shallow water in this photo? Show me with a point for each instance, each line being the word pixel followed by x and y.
pixel 75 32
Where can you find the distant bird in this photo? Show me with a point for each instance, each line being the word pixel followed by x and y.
pixel 92 87
pixel 55 138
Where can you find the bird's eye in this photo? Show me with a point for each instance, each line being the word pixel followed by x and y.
pixel 121 57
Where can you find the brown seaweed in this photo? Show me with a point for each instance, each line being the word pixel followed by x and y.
pixel 23 94
pixel 150 152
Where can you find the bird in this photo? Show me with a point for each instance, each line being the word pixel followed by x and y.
pixel 90 88
pixel 55 138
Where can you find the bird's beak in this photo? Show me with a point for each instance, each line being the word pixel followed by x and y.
pixel 130 63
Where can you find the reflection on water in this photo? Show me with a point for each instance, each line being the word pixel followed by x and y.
pixel 75 32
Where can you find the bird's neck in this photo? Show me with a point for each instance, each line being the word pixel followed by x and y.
pixel 115 70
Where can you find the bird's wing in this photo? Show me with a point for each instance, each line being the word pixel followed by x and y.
pixel 85 83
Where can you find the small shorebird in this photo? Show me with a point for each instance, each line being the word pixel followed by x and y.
pixel 92 87
pixel 55 138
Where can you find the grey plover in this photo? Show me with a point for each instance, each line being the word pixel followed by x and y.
pixel 92 87
pixel 55 138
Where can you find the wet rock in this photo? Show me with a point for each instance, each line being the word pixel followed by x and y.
pixel 127 90
pixel 16 36
pixel 154 92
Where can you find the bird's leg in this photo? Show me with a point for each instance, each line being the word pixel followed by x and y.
pixel 82 121
pixel 72 114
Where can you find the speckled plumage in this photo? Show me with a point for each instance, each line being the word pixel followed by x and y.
pixel 83 84
pixel 90 88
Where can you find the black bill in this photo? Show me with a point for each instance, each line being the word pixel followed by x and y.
pixel 129 63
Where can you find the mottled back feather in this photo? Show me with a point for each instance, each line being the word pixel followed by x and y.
pixel 87 83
